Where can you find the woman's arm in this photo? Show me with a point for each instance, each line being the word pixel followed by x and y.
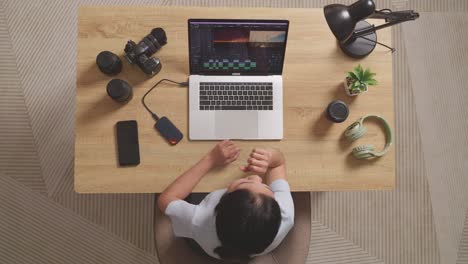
pixel 268 162
pixel 223 153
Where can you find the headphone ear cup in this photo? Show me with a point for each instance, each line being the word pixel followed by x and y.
pixel 364 151
pixel 355 131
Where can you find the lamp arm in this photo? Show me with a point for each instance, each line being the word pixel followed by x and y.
pixel 391 18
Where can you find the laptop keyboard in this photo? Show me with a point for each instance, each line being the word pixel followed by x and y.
pixel 236 96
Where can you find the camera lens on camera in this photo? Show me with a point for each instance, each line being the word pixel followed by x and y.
pixel 160 35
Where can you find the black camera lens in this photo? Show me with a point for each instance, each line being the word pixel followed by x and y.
pixel 119 90
pixel 160 35
pixel 108 63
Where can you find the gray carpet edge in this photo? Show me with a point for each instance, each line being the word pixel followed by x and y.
pixel 18 154
pixel 37 230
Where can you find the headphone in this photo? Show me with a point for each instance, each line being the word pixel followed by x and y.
pixel 357 130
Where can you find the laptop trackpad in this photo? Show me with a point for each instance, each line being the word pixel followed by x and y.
pixel 236 124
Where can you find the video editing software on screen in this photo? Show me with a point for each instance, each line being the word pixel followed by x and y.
pixel 255 48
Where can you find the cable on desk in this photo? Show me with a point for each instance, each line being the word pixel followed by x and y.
pixel 153 114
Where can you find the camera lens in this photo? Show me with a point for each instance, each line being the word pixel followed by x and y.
pixel 160 35
pixel 119 90
pixel 109 63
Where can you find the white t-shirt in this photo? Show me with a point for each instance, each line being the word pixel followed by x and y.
pixel 199 221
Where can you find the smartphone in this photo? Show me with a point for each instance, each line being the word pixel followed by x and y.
pixel 127 143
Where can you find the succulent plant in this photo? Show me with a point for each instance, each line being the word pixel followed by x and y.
pixel 359 79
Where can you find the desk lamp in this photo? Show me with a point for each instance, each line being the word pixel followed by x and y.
pixel 357 38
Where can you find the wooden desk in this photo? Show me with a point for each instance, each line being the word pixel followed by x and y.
pixel 317 156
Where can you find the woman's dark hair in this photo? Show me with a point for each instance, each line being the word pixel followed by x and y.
pixel 246 224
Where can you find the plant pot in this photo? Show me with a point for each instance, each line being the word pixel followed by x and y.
pixel 347 82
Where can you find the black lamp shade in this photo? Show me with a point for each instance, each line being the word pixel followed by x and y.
pixel 342 19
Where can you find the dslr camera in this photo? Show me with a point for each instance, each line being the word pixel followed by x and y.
pixel 140 54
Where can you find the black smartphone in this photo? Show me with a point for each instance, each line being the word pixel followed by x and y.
pixel 127 143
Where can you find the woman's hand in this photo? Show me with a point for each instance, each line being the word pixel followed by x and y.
pixel 223 153
pixel 263 159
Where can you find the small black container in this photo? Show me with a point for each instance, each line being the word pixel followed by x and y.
pixel 119 90
pixel 337 111
pixel 109 63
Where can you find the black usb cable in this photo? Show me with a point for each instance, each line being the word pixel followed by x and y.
pixel 163 125
pixel 153 114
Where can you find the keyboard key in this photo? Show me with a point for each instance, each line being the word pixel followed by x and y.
pixel 204 102
pixel 230 93
pixel 269 97
pixel 244 102
pixel 241 97
pixel 270 107
pixel 210 98
pixel 223 102
pixel 254 107
pixel 202 107
pixel 233 107
pixel 236 97
pixel 215 97
pixel 250 92
pixel 231 98
pixel 208 93
pixel 218 103
pixel 218 107
pixel 249 107
pixel 249 102
pixel 244 92
pixel 265 107
pixel 225 97
pixel 270 93
pixel 203 98
pixel 212 107
pixel 238 103
pixel 228 102
pixel 267 103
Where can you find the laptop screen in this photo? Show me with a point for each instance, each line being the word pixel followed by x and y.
pixel 237 47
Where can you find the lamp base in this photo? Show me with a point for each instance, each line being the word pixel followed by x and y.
pixel 360 47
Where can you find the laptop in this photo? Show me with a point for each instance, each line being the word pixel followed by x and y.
pixel 236 84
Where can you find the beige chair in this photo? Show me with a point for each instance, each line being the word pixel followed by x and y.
pixel 293 249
